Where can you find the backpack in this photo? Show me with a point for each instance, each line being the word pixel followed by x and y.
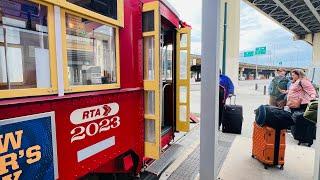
pixel 311 111
pixel 278 83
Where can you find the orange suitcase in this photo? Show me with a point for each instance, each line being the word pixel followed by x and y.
pixel 269 145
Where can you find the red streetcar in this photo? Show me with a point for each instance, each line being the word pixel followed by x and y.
pixel 89 86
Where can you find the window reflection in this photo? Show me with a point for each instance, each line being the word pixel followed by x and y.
pixel 104 7
pixel 90 52
pixel 183 64
pixel 24 47
pixel 167 56
pixel 149 47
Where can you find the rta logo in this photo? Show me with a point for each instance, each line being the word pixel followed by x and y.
pixel 107 110
pixel 93 113
pixel 102 118
pixel 96 112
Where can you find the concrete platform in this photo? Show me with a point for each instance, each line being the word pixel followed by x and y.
pixel 239 165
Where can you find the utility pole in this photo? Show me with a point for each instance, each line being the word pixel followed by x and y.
pixel 256 67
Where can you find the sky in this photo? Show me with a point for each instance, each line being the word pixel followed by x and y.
pixel 256 30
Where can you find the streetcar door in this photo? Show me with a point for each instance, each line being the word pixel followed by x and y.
pixel 183 79
pixel 152 82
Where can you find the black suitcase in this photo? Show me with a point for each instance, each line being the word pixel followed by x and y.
pixel 232 118
pixel 303 130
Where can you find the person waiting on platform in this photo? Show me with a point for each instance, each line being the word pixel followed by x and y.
pixel 227 84
pixel 279 82
pixel 301 91
pixel 226 89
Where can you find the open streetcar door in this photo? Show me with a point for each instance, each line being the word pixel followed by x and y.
pixel 152 82
pixel 183 79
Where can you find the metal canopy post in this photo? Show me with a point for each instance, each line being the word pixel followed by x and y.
pixel 209 87
pixel 316 174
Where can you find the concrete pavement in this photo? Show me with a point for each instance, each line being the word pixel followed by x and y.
pixel 250 99
pixel 239 165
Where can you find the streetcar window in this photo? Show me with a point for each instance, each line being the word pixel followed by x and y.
pixel 148 21
pixel 166 55
pixel 91 52
pixel 105 7
pixel 149 58
pixel 150 129
pixel 183 40
pixel 149 102
pixel 24 45
pixel 183 64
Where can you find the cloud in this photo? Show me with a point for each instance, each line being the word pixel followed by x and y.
pixel 258 30
pixel 255 30
pixel 254 27
pixel 190 11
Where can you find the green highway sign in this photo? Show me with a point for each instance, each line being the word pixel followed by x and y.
pixel 261 50
pixel 248 53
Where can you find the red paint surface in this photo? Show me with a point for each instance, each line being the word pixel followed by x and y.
pixel 166 139
pixel 127 163
pixel 166 12
pixel 169 15
pixel 129 136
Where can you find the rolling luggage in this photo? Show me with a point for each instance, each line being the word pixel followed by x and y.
pixel 269 145
pixel 303 130
pixel 222 93
pixel 232 118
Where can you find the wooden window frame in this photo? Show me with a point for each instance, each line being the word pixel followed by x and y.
pixel 12 93
pixel 83 88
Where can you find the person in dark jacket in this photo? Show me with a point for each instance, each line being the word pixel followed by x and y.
pixel 279 83
pixel 226 82
pixel 226 88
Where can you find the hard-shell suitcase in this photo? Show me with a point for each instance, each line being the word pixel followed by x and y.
pixel 303 130
pixel 269 145
pixel 232 118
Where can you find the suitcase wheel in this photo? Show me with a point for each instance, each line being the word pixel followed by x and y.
pixel 265 166
pixel 281 167
pixel 299 143
pixel 310 144
pixel 252 156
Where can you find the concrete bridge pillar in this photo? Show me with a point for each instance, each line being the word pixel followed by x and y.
pixel 316 63
pixel 316 50
pixel 232 38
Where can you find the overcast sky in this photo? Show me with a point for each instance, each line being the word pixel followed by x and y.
pixel 255 30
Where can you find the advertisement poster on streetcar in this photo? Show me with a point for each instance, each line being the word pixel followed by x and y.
pixel 28 147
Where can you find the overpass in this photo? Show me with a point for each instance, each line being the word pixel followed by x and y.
pixel 245 70
pixel 300 17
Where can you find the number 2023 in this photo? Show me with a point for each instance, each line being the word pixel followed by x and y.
pixel 94 128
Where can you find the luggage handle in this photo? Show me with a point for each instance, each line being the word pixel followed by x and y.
pixel 235 98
